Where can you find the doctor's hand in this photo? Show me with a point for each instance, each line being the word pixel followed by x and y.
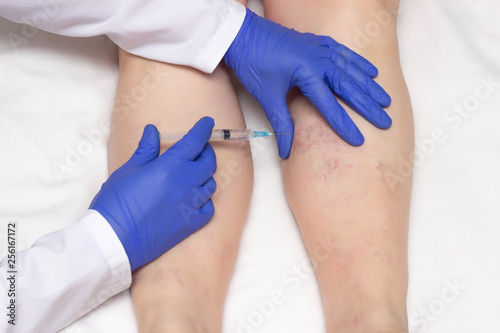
pixel 153 202
pixel 269 60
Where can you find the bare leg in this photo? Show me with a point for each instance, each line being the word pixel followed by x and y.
pixel 343 197
pixel 184 290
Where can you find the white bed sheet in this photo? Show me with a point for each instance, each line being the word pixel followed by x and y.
pixel 54 89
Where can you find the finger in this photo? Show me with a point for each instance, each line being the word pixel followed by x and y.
pixel 367 83
pixel 356 98
pixel 372 112
pixel 206 191
pixel 191 145
pixel 281 121
pixel 207 211
pixel 367 67
pixel 200 217
pixel 205 165
pixel 148 149
pixel 322 98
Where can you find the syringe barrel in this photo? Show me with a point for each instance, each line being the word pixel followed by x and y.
pixel 231 134
pixel 217 135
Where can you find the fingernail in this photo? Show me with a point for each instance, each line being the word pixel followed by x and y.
pixel 387 120
pixel 210 122
pixel 379 94
pixel 383 118
pixel 284 146
pixel 357 138
pixel 147 133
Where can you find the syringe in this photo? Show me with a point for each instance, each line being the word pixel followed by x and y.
pixel 226 134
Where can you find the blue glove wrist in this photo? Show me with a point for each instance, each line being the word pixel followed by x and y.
pixel 231 54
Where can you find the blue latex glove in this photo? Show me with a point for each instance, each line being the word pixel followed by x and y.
pixel 153 202
pixel 270 59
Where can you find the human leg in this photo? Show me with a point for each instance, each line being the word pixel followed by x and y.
pixel 353 201
pixel 184 290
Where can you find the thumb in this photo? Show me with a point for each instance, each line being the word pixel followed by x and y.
pixel 148 149
pixel 192 144
pixel 281 121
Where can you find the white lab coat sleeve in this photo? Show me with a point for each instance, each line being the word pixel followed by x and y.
pixel 64 275
pixel 194 33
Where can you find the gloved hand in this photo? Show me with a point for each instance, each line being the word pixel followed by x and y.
pixel 153 202
pixel 269 60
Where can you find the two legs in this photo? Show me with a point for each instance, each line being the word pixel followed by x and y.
pixel 338 193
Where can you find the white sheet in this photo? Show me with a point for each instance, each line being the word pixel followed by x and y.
pixel 53 89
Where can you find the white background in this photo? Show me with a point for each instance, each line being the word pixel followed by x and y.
pixel 54 89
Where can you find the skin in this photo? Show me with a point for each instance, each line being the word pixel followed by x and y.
pixel 353 198
pixel 350 202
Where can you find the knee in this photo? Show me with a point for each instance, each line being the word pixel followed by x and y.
pixel 357 23
pixel 370 26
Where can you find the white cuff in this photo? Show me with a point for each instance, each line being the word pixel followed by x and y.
pixel 114 252
pixel 65 274
pixel 222 39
